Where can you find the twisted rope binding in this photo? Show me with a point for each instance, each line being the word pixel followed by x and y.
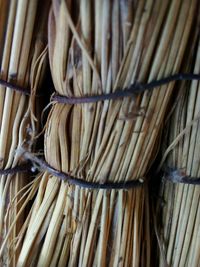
pixel 17 169
pixel 135 88
pixel 15 87
pixel 178 176
pixel 43 165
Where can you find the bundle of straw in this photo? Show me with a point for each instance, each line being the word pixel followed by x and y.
pixel 96 47
pixel 181 210
pixel 21 63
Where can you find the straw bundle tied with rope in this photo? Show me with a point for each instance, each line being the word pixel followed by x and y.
pixel 181 209
pixel 96 47
pixel 22 63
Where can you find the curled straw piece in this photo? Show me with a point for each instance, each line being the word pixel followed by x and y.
pixel 43 165
pixel 178 176
pixel 135 88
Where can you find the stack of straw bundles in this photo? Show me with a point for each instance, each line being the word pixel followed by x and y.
pixel 181 210
pixel 22 56
pixel 96 47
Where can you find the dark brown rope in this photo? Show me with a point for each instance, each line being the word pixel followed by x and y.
pixel 15 87
pixel 177 176
pixel 135 88
pixel 17 169
pixel 43 165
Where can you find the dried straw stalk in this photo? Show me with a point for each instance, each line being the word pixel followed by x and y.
pixel 95 47
pixel 181 210
pixel 21 63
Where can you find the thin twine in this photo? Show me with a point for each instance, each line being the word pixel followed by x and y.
pixel 17 169
pixel 178 176
pixel 14 87
pixel 43 165
pixel 172 175
pixel 135 88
